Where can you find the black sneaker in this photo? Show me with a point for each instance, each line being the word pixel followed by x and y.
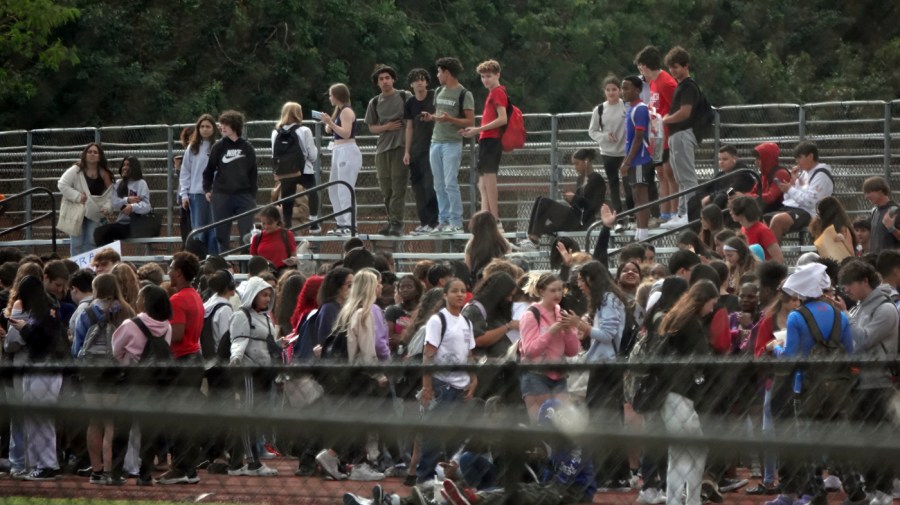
pixel 203 464
pixel 41 474
pixel 98 478
pixel 395 229
pixel 305 470
pixel 117 480
pixel 145 481
pixel 217 468
pixel 378 495
pixel 85 472
pixel 315 229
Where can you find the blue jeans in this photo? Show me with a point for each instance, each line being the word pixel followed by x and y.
pixel 478 472
pixel 768 429
pixel 16 429
pixel 225 206
pixel 201 215
pixel 445 396
pixel 84 242
pixel 445 159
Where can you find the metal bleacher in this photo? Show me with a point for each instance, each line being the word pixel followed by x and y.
pixel 858 139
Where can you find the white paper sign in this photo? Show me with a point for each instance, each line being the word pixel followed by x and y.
pixel 84 259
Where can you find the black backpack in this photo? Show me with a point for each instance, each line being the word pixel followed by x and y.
pixel 704 117
pixel 629 334
pixel 459 101
pixel 287 154
pixel 825 378
pixel 335 346
pixel 306 337
pixel 156 350
pixel 207 340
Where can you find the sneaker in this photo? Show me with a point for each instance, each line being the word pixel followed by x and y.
pixel 416 497
pixel 675 222
pixel 896 491
pixel 305 470
pixel 453 230
pixel 42 474
pixel 97 478
pixel 329 465
pixel 315 229
pixel 395 230
pixel 614 486
pixel 781 499
pixel 85 472
pixel 118 480
pixel 203 464
pixel 526 245
pixel 729 485
pixel 217 468
pixel 756 471
pixel 262 471
pixel 19 474
pixel 352 499
pixel 177 477
pixel 453 494
pixel 620 227
pixel 341 231
pixel 709 491
pixel 651 496
pixel 364 472
pixel 439 229
pixel 422 229
pixel 832 483
pixel 881 498
pixel 378 495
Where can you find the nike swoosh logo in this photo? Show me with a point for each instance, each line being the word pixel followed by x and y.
pixel 229 158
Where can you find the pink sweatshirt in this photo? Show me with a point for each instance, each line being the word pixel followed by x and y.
pixel 539 345
pixel 128 340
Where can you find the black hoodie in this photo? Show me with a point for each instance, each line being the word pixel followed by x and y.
pixel 231 168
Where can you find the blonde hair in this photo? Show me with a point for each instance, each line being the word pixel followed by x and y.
pixel 291 113
pixel 361 297
pixel 488 67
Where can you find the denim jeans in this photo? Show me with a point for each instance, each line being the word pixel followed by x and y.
pixel 445 396
pixel 445 159
pixel 16 428
pixel 477 471
pixel 84 242
pixel 201 215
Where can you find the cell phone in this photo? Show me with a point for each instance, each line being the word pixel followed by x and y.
pixel 730 191
pixel 316 114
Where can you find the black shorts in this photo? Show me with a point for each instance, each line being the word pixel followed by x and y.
pixel 489 152
pixel 801 218
pixel 640 175
pixel 665 158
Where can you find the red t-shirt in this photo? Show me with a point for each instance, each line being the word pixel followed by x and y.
pixel 496 97
pixel 661 90
pixel 759 233
pixel 187 309
pixel 271 246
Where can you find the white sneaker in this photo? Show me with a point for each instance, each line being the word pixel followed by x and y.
pixel 651 496
pixel 897 489
pixel 363 471
pixel 262 471
pixel 329 464
pixel 881 498
pixel 422 229
pixel 439 229
pixel 675 222
pixel 453 230
pixel 526 245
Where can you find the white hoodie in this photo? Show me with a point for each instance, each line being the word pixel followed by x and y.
pixel 248 337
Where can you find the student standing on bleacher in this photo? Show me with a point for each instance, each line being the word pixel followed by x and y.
pixel 230 178
pixel 190 179
pixel 87 182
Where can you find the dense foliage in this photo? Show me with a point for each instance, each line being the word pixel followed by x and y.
pixel 92 62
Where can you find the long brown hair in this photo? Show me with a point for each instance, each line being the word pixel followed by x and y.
pixel 341 93
pixel 106 287
pixel 432 302
pixel 102 163
pixel 688 307
pixel 25 269
pixel 197 139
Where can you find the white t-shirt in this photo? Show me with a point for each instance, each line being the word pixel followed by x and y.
pixel 518 309
pixel 457 343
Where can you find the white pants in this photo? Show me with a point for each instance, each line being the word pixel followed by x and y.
pixel 346 161
pixel 40 431
pixel 686 463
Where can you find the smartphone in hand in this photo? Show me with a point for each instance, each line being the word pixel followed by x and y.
pixel 316 114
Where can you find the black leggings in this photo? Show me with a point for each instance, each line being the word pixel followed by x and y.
pixel 289 187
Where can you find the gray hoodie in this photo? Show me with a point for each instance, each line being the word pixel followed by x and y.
pixel 248 345
pixel 874 325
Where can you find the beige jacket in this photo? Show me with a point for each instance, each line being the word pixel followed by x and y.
pixel 72 184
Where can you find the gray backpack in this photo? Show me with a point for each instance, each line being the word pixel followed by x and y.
pixel 98 341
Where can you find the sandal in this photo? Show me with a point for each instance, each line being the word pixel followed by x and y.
pixel 762 489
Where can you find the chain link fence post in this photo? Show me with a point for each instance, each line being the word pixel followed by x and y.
pixel 555 174
pixel 801 119
pixel 717 140
pixel 887 140
pixel 28 177
pixel 170 183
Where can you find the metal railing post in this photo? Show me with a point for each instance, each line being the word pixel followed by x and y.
pixel 170 168
pixel 801 119
pixel 97 135
pixel 318 165
pixel 717 141
pixel 29 139
pixel 555 174
pixel 887 141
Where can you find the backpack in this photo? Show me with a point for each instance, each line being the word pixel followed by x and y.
pixel 207 339
pixel 655 139
pixel 98 341
pixel 306 339
pixel 335 346
pixel 156 350
pixel 629 334
pixel 514 133
pixel 822 171
pixel 460 100
pixel 416 345
pixel 832 379
pixel 703 116
pixel 644 388
pixel 287 154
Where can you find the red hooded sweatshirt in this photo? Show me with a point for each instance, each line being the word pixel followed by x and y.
pixel 769 170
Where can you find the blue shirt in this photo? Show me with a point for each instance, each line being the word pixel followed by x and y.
pixel 641 122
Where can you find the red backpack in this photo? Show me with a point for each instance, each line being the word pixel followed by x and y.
pixel 514 133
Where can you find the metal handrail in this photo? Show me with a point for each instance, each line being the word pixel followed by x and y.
pixel 351 209
pixel 714 180
pixel 51 213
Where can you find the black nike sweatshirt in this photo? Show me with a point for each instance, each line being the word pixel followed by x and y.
pixel 231 168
